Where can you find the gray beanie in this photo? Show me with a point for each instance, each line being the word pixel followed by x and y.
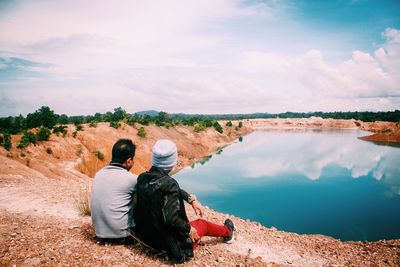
pixel 164 154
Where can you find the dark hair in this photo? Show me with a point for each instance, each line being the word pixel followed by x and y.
pixel 122 150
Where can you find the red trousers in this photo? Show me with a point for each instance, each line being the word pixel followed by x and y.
pixel 206 228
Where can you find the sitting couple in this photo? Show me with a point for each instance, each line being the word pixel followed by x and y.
pixel 151 205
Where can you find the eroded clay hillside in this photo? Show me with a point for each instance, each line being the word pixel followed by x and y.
pixel 81 152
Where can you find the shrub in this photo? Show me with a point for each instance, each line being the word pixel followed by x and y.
pixel 27 138
pixel 82 201
pixel 198 127
pixel 218 127
pixel 115 124
pixel 240 124
pixel 74 133
pixel 229 124
pixel 93 124
pixel 7 142
pixel 167 125
pixel 142 132
pixel 60 129
pixel 1 140
pixel 23 143
pixel 79 150
pixel 43 134
pixel 99 155
pixel 79 127
pixel 207 123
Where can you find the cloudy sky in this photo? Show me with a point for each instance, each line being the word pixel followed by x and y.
pixel 199 56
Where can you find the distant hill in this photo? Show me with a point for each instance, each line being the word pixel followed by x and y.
pixel 151 113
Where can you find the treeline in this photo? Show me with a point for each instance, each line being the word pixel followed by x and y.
pixel 47 118
pixel 366 116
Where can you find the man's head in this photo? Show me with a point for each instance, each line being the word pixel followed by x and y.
pixel 164 154
pixel 123 152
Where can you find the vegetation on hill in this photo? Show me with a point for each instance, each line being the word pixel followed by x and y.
pixel 47 118
pixel 44 117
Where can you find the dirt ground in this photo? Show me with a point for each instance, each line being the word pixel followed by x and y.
pixel 43 186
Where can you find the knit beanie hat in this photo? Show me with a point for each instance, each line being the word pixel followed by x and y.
pixel 164 154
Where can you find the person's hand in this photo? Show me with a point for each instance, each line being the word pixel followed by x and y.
pixel 193 234
pixel 197 207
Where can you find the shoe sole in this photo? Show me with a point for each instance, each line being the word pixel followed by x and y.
pixel 231 240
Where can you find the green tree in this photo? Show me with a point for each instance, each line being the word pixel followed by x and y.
pixel 79 127
pixel 42 117
pixel 43 134
pixel 119 114
pixel 27 138
pixel 240 124
pixel 229 124
pixel 63 119
pixel 142 132
pixel 218 127
pixel 93 124
pixel 7 142
pixel 207 123
pixel 163 118
pixel 115 124
pixel 60 129
pixel 98 117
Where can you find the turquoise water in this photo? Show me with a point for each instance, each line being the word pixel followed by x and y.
pixel 311 182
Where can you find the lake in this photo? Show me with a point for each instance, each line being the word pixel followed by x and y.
pixel 309 182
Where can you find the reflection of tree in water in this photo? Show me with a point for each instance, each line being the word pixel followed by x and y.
pixel 240 138
pixel 205 159
pixel 382 143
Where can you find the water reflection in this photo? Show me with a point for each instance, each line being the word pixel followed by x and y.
pixel 270 154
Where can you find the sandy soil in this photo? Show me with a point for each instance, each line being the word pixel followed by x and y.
pixel 42 186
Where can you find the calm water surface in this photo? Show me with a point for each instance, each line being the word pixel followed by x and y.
pixel 314 182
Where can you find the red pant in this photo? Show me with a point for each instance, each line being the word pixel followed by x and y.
pixel 206 228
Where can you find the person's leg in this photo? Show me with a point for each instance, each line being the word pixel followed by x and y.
pixel 206 228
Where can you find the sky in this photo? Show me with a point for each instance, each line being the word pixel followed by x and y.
pixel 199 56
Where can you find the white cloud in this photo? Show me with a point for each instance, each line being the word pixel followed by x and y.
pixel 363 76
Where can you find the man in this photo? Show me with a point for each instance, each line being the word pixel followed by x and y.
pixel 112 196
pixel 160 214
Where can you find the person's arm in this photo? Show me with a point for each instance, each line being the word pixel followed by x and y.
pixel 192 200
pixel 171 209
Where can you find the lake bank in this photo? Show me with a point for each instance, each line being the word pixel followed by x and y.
pixel 382 131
